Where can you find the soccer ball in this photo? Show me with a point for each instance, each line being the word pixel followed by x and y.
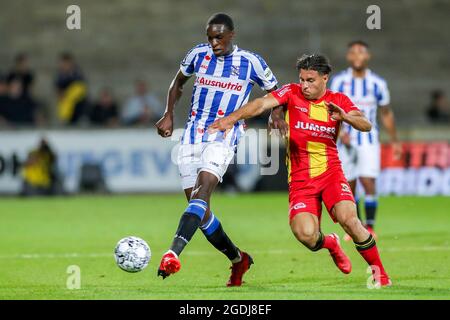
pixel 132 254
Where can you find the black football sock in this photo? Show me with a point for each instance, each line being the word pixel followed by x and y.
pixel 319 243
pixel 189 223
pixel 215 234
pixel 370 204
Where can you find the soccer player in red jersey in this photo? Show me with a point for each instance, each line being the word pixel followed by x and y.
pixel 314 115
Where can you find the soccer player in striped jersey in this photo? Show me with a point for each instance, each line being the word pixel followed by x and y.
pixel 360 151
pixel 314 115
pixel 224 77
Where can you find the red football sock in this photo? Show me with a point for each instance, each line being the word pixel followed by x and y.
pixel 368 250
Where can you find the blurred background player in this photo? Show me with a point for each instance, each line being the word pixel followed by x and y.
pixel 360 151
pixel 225 75
pixel 315 175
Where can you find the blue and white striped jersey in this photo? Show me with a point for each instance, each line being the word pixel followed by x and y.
pixel 367 94
pixel 222 85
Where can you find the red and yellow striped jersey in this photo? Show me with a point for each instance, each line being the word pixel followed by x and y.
pixel 311 148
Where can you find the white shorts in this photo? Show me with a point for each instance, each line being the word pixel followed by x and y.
pixel 360 161
pixel 368 161
pixel 348 156
pixel 212 157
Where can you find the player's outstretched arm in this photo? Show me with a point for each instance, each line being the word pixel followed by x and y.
pixel 354 118
pixel 165 124
pixel 276 118
pixel 249 110
pixel 388 119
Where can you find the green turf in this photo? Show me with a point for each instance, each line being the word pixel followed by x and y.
pixel 40 238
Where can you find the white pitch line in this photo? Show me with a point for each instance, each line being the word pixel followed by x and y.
pixel 55 255
pixel 429 248
pixel 193 253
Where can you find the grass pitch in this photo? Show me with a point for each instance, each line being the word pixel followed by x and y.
pixel 41 238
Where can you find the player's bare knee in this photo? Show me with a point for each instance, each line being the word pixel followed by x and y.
pixel 310 242
pixel 307 240
pixel 307 236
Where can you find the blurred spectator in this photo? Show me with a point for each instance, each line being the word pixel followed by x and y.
pixel 20 109
pixel 21 71
pixel 39 172
pixel 143 108
pixel 438 111
pixel 71 89
pixel 105 111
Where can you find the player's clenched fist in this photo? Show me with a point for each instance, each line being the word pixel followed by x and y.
pixel 165 125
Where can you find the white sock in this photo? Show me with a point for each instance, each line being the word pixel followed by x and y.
pixel 172 252
pixel 237 259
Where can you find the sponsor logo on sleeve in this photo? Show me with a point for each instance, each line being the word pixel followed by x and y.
pixel 345 188
pixel 282 92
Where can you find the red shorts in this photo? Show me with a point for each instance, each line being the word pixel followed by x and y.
pixel 307 196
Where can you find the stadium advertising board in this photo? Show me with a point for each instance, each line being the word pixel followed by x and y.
pixel 141 161
pixel 132 160
pixel 424 169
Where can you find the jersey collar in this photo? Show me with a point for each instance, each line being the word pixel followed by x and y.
pixel 327 92
pixel 235 49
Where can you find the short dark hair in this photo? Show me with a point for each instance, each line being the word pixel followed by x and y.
pixel 221 18
pixel 358 42
pixel 316 62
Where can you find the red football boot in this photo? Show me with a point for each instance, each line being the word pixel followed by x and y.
pixel 169 264
pixel 238 269
pixel 339 257
pixel 383 281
